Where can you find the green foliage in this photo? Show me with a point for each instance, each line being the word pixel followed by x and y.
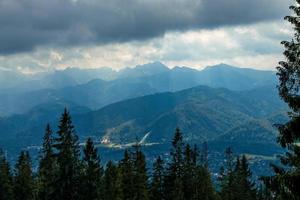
pixel 204 188
pixel 174 176
pixel 63 175
pixel 112 182
pixel 140 174
pixel 187 177
pixel 227 176
pixel 286 183
pixel 47 168
pixel 244 187
pixel 23 180
pixel 157 182
pixel 67 155
pixel 189 168
pixel 6 184
pixel 127 176
pixel 202 113
pixel 236 179
pixel 91 180
pixel 134 175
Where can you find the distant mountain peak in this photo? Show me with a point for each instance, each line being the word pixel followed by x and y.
pixel 221 66
pixel 183 68
pixel 143 70
pixel 224 66
pixel 152 66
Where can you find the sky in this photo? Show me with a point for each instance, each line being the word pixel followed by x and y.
pixel 43 35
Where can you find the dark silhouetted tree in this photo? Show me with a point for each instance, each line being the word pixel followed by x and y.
pixel 140 174
pixel 112 182
pixel 127 176
pixel 286 183
pixel 6 184
pixel 204 188
pixel 157 181
pixel 67 155
pixel 227 176
pixel 244 188
pixel 174 174
pixel 91 187
pixel 47 168
pixel 202 183
pixel 189 173
pixel 23 181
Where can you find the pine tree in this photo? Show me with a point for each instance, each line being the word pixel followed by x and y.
pixel 112 182
pixel 67 155
pixel 246 182
pixel 140 174
pixel 23 181
pixel 91 187
pixel 157 182
pixel 6 185
pixel 173 179
pixel 127 174
pixel 243 188
pixel 236 178
pixel 189 173
pixel 286 183
pixel 227 176
pixel 204 188
pixel 47 168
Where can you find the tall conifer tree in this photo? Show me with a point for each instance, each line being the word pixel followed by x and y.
pixel 47 168
pixel 91 187
pixel 23 181
pixel 6 185
pixel 189 173
pixel 286 183
pixel 140 174
pixel 227 176
pixel 243 187
pixel 204 188
pixel 67 153
pixel 112 182
pixel 174 176
pixel 157 182
pixel 127 175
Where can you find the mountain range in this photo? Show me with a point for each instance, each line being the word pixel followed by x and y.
pixel 222 105
pixel 96 88
pixel 203 114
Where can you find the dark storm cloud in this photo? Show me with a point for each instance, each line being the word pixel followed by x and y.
pixel 26 24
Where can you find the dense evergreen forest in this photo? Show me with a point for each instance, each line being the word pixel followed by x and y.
pixel 66 172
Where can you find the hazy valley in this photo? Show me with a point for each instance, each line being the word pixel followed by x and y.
pixel 222 105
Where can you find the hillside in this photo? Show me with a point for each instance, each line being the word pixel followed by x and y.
pixel 203 114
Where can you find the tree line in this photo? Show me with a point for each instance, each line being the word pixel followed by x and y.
pixel 67 172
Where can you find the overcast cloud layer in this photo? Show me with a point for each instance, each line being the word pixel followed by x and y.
pixel 28 24
pixel 257 46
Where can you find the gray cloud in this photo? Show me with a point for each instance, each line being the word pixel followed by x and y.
pixel 27 24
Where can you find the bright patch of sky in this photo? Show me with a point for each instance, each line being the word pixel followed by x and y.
pixel 252 40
